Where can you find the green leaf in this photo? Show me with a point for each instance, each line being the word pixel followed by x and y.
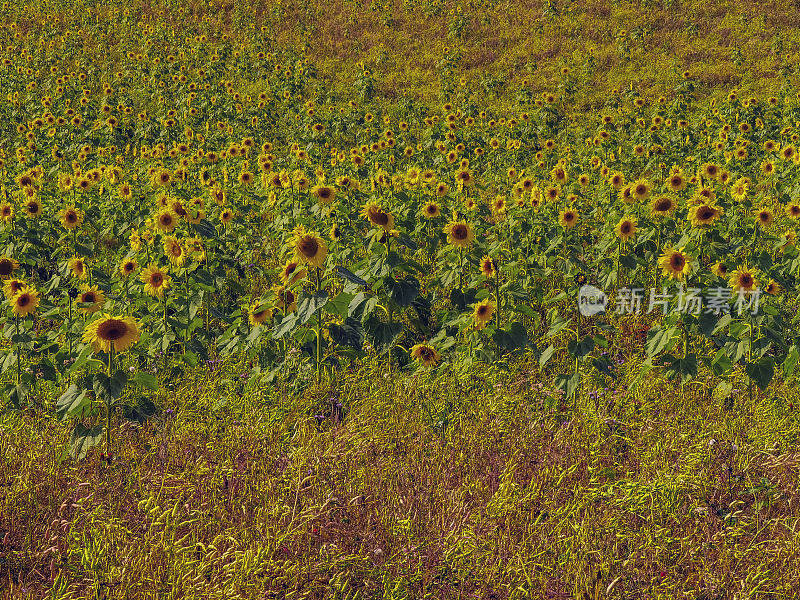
pixel 721 363
pixel 339 305
pixel 546 355
pixel 761 372
pixel 109 388
pixel 660 340
pixel 145 379
pixel 84 439
pixel 568 383
pixel 72 402
pixel 791 360
pixel 349 276
pixel 311 305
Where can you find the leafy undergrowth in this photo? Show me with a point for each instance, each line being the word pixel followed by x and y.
pixel 410 486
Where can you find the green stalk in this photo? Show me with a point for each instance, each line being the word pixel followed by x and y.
pixel 108 403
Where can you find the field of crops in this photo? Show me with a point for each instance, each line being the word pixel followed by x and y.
pixel 261 339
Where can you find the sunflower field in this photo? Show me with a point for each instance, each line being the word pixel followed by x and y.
pixel 196 219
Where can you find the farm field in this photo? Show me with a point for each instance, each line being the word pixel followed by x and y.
pixel 399 301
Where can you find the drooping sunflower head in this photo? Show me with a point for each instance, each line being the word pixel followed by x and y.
pixel 292 271
pixel 174 251
pixel 156 280
pixel 78 268
pixel 459 234
pixel 483 313
pixel 675 263
pixel 720 269
pixel 6 212
pixel 773 288
pixel 425 354
pixel 377 216
pixel 13 286
pixel 107 332
pixel 285 299
pixel 793 210
pixel 259 313
pixel 24 302
pixel 488 266
pixel 704 214
pixel 308 247
pixel 663 205
pixel 7 266
pixel 90 300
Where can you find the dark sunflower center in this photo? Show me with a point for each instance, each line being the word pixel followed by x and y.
pixel 156 279
pixel 482 310
pixel 112 330
pixel 764 216
pixel 71 217
pixel 33 207
pixel 677 261
pixel 308 246
pixel 663 205
pixel 380 217
pixel 23 300
pixel 705 213
pixel 626 227
pixel 460 232
pixel 746 279
pixel 6 267
pixel 89 297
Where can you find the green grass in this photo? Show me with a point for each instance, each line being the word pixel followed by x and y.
pixel 452 487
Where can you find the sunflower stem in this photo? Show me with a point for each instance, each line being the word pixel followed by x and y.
pixel 108 403
pixel 19 366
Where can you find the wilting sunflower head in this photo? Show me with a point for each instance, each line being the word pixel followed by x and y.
pixel 431 210
pixel 335 232
pixel 128 266
pixel 6 212
pixel 308 247
pixel 663 205
pixel 488 266
pixel 483 313
pixel 773 288
pixel 675 264
pixel 292 271
pixel 459 234
pixel 568 218
pixel 258 314
pixel 78 268
pixel 626 228
pixel 7 267
pixel 285 299
pixel 90 300
pixel 743 278
pixel 156 280
pixel 70 217
pixel 377 216
pixel 425 354
pixel 24 302
pixel 174 251
pixel 720 269
pixel 107 332
pixel 166 220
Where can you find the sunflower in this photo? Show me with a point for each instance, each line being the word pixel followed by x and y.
pixel 70 217
pixel 617 181
pixel 6 212
pixel 568 218
pixel 226 216
pixel 743 278
pixel 425 354
pixel 488 266
pixel 704 214
pixel 155 280
pixel 78 268
pixel 640 189
pixel 258 314
pixel 107 332
pixel 662 206
pixel 308 247
pixel 459 233
pixel 128 267
pixel 7 267
pixel 325 194
pixel 33 208
pixel 498 205
pixel 765 217
pixel 431 210
pixel 174 251
pixel 773 288
pixel 166 219
pixel 292 272
pixel 335 232
pixel 12 286
pixel 626 228
pixel 285 299
pixel 24 302
pixel 720 269
pixel 676 182
pixel 483 313
pixel 377 216
pixel 793 210
pixel 674 263
pixel 93 296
